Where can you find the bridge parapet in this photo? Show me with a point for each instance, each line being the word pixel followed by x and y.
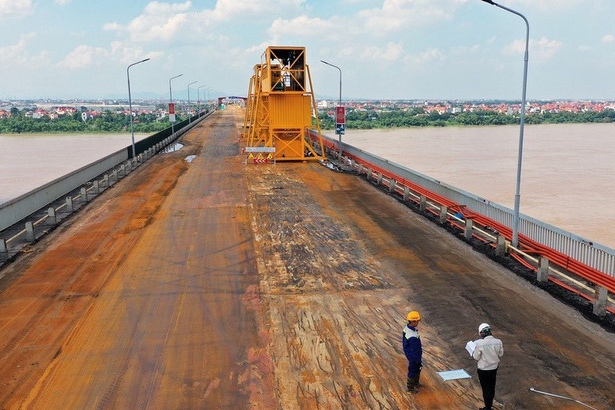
pixel 576 264
pixel 44 207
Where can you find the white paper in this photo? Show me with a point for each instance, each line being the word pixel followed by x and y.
pixel 454 375
pixel 470 346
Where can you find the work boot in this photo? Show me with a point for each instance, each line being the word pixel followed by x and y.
pixel 411 384
pixel 417 383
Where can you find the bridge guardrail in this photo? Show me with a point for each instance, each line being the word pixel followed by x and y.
pixel 552 252
pixel 87 182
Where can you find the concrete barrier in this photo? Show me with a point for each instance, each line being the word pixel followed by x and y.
pixel 566 251
pixel 111 168
pixel 17 209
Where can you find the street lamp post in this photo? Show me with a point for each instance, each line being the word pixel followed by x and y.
pixel 194 82
pixel 338 131
pixel 132 131
pixel 171 103
pixel 515 234
pixel 198 93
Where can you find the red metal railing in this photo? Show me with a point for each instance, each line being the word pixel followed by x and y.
pixel 526 245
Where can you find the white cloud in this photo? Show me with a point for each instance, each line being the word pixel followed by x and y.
pixel 609 38
pixel 517 47
pixel 15 8
pixel 546 4
pixel 540 51
pixel 359 33
pixel 464 51
pixel 401 14
pixel 16 55
pixel 392 52
pixel 226 9
pixel 156 7
pixel 159 21
pixel 432 54
pixel 545 49
pixel 223 39
pixel 127 55
pixel 303 26
pixel 167 22
pixel 84 56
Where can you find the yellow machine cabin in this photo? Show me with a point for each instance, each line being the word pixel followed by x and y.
pixel 281 109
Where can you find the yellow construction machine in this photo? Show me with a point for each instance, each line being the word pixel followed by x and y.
pixel 281 120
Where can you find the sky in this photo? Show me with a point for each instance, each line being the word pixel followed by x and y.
pixel 386 49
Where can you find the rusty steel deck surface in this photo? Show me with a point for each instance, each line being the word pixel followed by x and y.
pixel 215 284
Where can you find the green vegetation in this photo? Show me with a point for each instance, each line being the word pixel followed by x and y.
pixel 116 121
pixel 417 117
pixel 107 122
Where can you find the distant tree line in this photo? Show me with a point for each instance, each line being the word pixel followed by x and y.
pixel 107 122
pixel 417 117
pixel 117 122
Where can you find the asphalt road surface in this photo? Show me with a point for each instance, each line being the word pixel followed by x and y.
pixel 215 284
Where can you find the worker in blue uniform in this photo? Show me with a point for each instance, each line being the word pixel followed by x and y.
pixel 413 349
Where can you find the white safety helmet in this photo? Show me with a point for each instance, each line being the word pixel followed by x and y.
pixel 483 326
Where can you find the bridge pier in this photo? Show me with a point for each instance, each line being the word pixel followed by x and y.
pixel 69 204
pixel 468 229
pixel 392 185
pixel 30 236
pixel 500 247
pixel 423 203
pixel 542 273
pixel 51 216
pixel 406 193
pixel 443 214
pixel 84 194
pixel 601 294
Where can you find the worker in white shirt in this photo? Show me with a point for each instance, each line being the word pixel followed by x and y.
pixel 487 352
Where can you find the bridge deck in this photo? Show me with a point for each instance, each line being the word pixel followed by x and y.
pixel 214 284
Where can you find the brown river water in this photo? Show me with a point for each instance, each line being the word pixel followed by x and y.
pixel 567 174
pixel 30 161
pixel 567 169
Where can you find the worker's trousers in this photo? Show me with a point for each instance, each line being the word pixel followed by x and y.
pixel 487 383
